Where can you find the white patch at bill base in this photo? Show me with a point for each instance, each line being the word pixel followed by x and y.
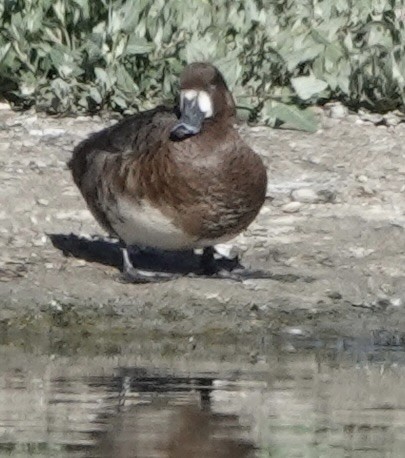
pixel 201 97
pixel 205 103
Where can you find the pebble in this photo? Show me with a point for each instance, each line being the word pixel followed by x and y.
pixel 289 347
pixel 43 202
pixel 19 242
pixel 38 164
pixel 310 196
pixel 366 190
pixel 50 132
pixel 362 179
pixel 291 207
pixel 396 302
pixel 36 132
pixel 31 120
pixel 335 295
pixel 360 252
pixel 227 250
pixel 39 242
pixel 28 143
pixel 294 331
pixel 74 215
pixel 391 120
pixel 336 110
pixel 374 118
pixel 79 263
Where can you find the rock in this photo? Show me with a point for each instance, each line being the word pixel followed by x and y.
pixel 5 106
pixel 291 207
pixel 392 120
pixel 294 331
pixel 396 302
pixel 336 110
pixel 254 356
pixel 335 295
pixel 366 191
pixel 310 196
pixel 360 252
pixel 374 118
pixel 326 195
pixel 289 348
pixel 74 215
pixel 305 195
pixel 362 179
pixel 227 250
pixel 36 132
pixel 40 242
pixel 49 132
pixel 53 133
pixel 30 120
pixel 29 143
pixel 78 263
pixel 43 202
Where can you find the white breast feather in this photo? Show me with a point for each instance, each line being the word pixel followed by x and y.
pixel 144 225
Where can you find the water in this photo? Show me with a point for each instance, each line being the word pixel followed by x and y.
pixel 343 398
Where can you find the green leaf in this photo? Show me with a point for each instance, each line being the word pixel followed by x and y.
pixel 95 95
pixel 294 58
pixel 57 57
pixel 4 50
pixel 138 45
pixel 103 77
pixel 307 86
pixel 230 67
pixel 295 117
pixel 119 102
pixel 124 80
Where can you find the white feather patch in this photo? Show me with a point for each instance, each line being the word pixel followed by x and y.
pixel 144 225
pixel 189 94
pixel 202 97
pixel 205 103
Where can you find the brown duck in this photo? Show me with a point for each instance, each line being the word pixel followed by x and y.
pixel 173 178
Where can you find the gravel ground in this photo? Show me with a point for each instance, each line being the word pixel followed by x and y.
pixel 331 233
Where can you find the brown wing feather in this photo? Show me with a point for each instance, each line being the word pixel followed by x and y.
pixel 100 164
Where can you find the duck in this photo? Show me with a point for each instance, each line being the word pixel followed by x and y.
pixel 174 177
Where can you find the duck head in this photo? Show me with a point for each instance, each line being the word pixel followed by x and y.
pixel 203 95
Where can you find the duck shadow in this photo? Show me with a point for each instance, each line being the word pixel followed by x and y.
pixel 108 252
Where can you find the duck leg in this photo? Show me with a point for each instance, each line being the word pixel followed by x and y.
pixel 131 274
pixel 211 268
pixel 208 263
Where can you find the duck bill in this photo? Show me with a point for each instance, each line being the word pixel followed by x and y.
pixel 190 121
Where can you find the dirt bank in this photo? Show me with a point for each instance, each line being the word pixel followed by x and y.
pixel 331 233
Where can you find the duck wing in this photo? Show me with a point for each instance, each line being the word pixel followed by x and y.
pixel 97 162
pixel 135 135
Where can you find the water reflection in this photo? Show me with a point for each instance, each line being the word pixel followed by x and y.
pixel 344 402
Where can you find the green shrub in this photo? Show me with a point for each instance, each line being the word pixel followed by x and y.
pixel 278 56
